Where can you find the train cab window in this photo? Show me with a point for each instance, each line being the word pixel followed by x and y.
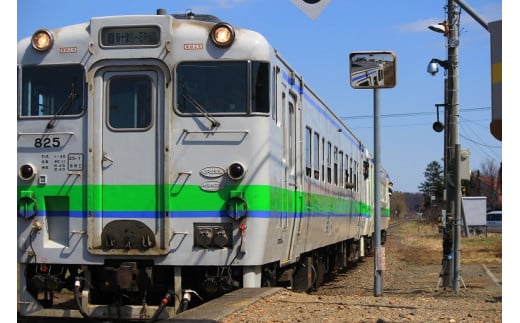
pixel 130 102
pixel 52 91
pixel 221 87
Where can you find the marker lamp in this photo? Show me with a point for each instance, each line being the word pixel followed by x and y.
pixel 236 171
pixel 222 34
pixel 42 40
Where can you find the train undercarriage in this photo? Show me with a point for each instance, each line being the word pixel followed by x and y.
pixel 138 290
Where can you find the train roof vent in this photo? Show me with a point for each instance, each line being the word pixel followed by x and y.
pixel 192 16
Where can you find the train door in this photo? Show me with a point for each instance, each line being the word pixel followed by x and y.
pixel 290 143
pixel 127 163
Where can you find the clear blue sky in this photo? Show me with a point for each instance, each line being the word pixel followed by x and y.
pixel 318 49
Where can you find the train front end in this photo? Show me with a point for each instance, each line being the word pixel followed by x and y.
pixel 138 164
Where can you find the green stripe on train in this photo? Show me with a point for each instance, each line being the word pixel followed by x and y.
pixel 180 198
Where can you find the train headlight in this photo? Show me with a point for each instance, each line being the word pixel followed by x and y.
pixel 27 172
pixel 236 171
pixel 42 40
pixel 222 34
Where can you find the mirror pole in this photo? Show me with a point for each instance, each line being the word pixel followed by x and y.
pixel 379 251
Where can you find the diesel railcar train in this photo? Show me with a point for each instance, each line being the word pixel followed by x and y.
pixel 166 159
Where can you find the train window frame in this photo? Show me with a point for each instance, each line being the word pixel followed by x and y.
pixel 356 177
pixel 140 80
pixel 308 151
pixel 346 171
pixel 351 173
pixel 260 87
pixel 366 169
pixel 199 88
pixel 78 94
pixel 323 159
pixel 335 173
pixel 316 159
pixel 341 167
pixel 329 162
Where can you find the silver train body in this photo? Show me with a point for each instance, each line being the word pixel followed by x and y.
pixel 168 158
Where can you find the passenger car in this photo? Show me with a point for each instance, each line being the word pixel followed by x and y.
pixel 494 221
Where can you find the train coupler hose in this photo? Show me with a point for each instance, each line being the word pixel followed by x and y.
pixel 186 298
pixel 166 299
pixel 77 297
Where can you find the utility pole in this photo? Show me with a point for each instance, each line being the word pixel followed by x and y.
pixel 451 236
pixel 454 185
pixel 451 239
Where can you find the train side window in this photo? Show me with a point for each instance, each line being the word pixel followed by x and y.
pixel 365 169
pixel 335 165
pixel 351 172
pixel 346 171
pixel 341 167
pixel 308 159
pixel 329 162
pixel 356 176
pixel 260 87
pixel 316 156
pixel 323 159
pixel 52 91
pixel 130 102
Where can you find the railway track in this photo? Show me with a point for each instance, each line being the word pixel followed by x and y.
pixel 407 285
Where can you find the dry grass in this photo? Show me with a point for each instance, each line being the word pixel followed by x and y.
pixel 421 243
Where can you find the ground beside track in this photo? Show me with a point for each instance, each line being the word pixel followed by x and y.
pixel 410 292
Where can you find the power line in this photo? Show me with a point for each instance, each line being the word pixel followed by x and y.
pixel 410 114
pixel 479 143
pixel 473 137
pixel 476 139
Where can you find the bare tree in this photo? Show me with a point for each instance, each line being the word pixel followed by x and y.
pixel 489 168
pixel 398 208
pixel 488 182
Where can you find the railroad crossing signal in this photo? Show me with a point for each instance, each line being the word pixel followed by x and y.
pixel 311 8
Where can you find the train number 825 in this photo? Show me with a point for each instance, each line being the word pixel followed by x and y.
pixel 47 142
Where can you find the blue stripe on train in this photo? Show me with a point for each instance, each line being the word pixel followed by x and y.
pixel 188 214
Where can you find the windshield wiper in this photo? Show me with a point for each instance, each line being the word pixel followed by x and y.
pixel 64 106
pixel 200 108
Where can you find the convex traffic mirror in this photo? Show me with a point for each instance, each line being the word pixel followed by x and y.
pixel 371 70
